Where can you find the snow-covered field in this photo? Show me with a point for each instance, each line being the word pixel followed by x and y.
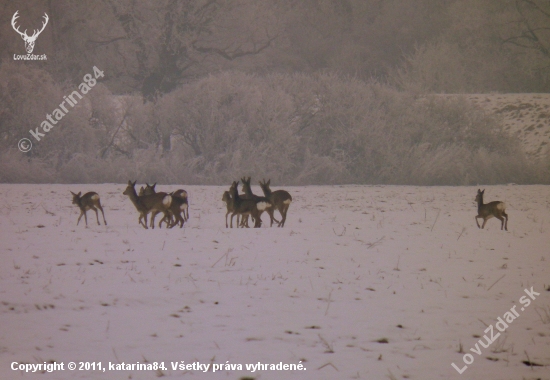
pixel 364 282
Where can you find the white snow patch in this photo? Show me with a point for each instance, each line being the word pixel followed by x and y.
pixel 353 265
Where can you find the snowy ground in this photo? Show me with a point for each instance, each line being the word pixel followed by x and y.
pixel 364 282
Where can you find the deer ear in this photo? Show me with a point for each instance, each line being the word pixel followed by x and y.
pixel 133 184
pixel 80 192
pixel 269 181
pixel 72 192
pixel 154 184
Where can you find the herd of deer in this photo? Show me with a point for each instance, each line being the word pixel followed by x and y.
pixel 174 204
pixel 249 204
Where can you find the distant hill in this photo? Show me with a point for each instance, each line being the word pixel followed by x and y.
pixel 525 116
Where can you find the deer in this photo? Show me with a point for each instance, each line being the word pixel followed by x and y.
pixel 226 197
pixel 280 199
pixel 180 205
pixel 245 206
pixel 487 211
pixel 145 204
pixel 29 40
pixel 147 190
pixel 247 190
pixel 183 195
pixel 89 201
pixel 230 208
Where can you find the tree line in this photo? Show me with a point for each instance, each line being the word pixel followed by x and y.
pixel 311 91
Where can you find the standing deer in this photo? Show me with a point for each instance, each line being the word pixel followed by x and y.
pixel 247 190
pixel 145 204
pixel 280 199
pixel 487 211
pixel 185 205
pixel 229 205
pixel 89 201
pixel 179 205
pixel 245 206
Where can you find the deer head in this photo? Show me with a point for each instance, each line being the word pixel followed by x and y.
pixel 29 40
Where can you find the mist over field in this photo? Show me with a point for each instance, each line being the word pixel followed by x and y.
pixel 308 92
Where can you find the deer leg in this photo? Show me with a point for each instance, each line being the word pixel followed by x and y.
pixel 153 215
pixel 81 213
pixel 258 222
pixel 283 220
pixel 276 221
pixel 173 217
pixel 232 215
pixel 270 213
pixel 163 220
pixel 501 221
pixel 102 213
pixel 85 218
pixel 281 210
pixel 484 221
pixel 506 224
pixel 145 218
pixel 179 220
pixel 172 220
pixel 168 219
pixel 478 226
pixel 227 213
pixel 140 221
pixel 96 215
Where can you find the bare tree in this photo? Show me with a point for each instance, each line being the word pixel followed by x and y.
pixel 530 28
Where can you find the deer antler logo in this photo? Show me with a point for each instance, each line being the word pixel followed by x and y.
pixel 29 40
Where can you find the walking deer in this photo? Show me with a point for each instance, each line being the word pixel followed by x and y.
pixel 89 201
pixel 280 199
pixel 487 211
pixel 245 206
pixel 145 204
